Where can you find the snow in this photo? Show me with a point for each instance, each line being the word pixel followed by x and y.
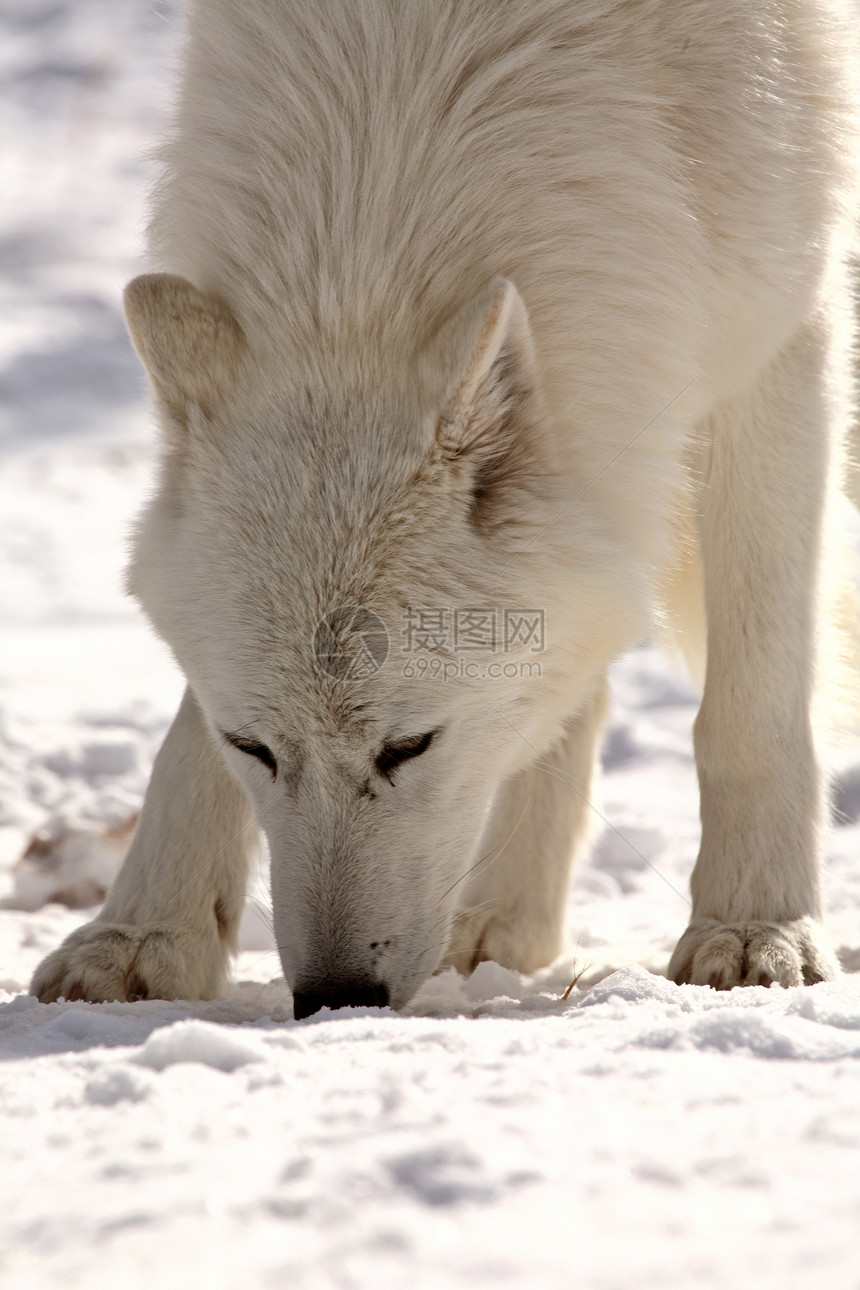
pixel 495 1133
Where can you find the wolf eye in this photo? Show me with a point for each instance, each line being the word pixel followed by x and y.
pixel 254 749
pixel 400 750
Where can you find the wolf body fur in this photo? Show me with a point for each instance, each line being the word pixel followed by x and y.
pixel 536 304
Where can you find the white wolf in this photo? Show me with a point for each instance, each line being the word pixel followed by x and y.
pixel 484 309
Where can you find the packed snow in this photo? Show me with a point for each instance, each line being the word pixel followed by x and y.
pixel 500 1131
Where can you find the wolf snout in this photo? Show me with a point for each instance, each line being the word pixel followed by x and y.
pixel 309 998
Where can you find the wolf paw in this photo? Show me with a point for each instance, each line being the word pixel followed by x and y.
pixel 724 955
pixel 499 939
pixel 116 961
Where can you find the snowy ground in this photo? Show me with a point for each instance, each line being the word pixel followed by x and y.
pixel 636 1135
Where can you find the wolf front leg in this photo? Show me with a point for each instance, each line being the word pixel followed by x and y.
pixel 755 887
pixel 172 916
pixel 514 908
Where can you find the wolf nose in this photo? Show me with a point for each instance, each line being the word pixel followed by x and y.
pixel 309 1000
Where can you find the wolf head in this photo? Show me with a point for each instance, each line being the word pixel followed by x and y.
pixel 360 567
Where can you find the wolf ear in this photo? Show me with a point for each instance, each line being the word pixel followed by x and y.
pixel 490 427
pixel 189 343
